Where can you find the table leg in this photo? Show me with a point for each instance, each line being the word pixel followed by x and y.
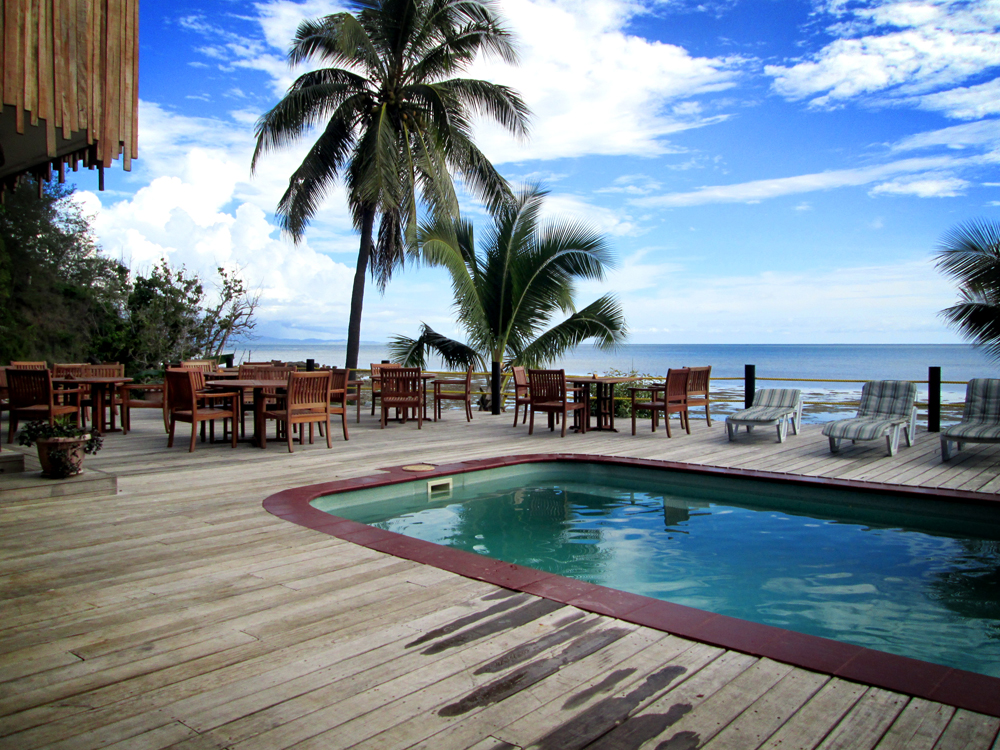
pixel 97 391
pixel 258 417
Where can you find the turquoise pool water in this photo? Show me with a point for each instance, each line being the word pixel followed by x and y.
pixel 911 577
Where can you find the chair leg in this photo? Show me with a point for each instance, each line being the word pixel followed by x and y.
pixel 892 441
pixel 289 434
pixel 834 445
pixel 730 431
pixel 666 422
pixel 565 419
pixel 194 434
pixel 531 425
pixel 945 449
pixel 170 434
pixel 782 430
pixel 517 406
pixel 708 415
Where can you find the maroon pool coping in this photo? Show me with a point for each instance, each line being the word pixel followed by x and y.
pixel 955 687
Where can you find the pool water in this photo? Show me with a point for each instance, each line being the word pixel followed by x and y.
pixel 919 578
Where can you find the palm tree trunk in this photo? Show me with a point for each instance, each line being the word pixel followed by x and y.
pixel 358 292
pixel 495 387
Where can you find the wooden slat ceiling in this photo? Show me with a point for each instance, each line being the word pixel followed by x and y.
pixel 69 86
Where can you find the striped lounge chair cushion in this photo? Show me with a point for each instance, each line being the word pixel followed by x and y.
pixel 981 415
pixel 769 404
pixel 887 398
pixel 861 428
pixel 762 413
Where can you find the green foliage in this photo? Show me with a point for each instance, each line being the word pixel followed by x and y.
pixel 970 254
pixel 35 431
pixel 395 122
pixel 510 291
pixel 62 301
pixel 59 298
pixel 623 402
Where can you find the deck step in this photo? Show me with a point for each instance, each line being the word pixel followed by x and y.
pixel 11 462
pixel 31 485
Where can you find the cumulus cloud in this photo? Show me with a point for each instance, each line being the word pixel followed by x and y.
pixel 901 50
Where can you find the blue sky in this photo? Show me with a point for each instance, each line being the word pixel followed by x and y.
pixel 767 171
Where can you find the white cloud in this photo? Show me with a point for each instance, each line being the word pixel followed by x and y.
pixel 758 190
pixel 594 88
pixel 926 187
pixel 985 133
pixel 966 102
pixel 569 207
pixel 904 50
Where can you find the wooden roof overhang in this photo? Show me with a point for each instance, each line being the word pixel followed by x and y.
pixel 69 86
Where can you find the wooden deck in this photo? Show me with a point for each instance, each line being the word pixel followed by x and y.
pixel 180 614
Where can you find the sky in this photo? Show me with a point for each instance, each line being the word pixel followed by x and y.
pixel 765 171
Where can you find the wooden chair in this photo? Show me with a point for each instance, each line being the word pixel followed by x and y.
pixel 377 380
pixel 29 365
pixel 520 393
pixel 152 398
pixel 33 399
pixel 674 391
pixel 339 396
pixel 186 403
pixel 464 395
pixel 547 393
pixel 698 386
pixel 402 388
pixel 307 401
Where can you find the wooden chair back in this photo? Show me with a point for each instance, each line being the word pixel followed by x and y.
pixel 29 365
pixel 3 379
pixel 520 381
pixel 401 383
pixel 698 383
pixel 205 365
pixel 677 385
pixel 546 385
pixel 338 380
pixel 29 387
pixel 269 373
pixel 309 391
pixel 109 370
pixel 182 384
pixel 69 369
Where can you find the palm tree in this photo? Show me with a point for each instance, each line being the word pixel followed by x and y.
pixel 397 122
pixel 970 254
pixel 508 291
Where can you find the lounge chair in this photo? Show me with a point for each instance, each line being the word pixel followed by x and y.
pixel 980 417
pixel 886 408
pixel 771 406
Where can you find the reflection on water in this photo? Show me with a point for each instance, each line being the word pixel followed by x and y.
pixel 925 593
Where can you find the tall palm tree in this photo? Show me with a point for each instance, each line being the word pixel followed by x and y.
pixel 395 122
pixel 970 254
pixel 509 290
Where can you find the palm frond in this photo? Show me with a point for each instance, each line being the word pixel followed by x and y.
pixel 602 320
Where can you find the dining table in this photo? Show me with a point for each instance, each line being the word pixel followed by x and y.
pixel 102 393
pixel 604 392
pixel 259 388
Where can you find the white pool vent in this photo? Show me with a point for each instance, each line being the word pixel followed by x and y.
pixel 439 489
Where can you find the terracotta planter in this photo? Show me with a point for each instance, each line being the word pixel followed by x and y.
pixel 61 457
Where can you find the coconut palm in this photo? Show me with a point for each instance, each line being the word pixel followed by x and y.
pixel 395 122
pixel 970 254
pixel 510 290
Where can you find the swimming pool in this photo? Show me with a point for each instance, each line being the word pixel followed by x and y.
pixel 909 576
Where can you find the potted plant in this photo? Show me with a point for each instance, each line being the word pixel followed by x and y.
pixel 60 446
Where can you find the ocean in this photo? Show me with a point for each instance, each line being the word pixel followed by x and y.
pixel 800 363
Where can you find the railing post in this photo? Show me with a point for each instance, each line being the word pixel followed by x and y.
pixel 310 365
pixel 749 384
pixel 934 399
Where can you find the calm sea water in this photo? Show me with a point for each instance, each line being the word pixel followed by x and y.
pixel 828 361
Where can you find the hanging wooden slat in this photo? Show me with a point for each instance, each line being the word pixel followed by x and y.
pixel 70 67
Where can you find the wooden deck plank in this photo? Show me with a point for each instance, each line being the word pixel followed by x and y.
pixel 969 731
